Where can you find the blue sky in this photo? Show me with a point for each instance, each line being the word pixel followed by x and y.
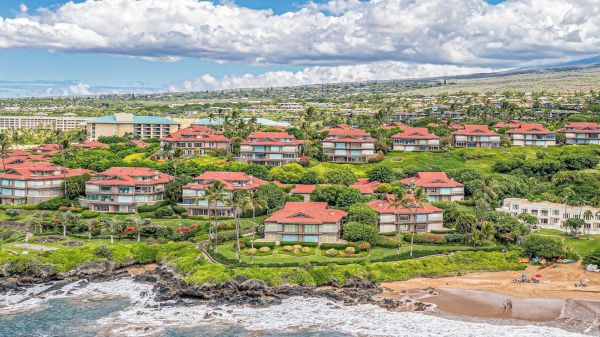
pixel 110 62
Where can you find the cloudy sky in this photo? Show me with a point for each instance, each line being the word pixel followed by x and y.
pixel 54 47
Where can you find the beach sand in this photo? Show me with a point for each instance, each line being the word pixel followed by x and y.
pixel 481 295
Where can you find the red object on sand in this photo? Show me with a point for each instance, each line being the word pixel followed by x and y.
pixel 538 276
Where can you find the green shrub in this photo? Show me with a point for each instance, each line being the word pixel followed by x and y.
pixel 330 245
pixel 364 246
pixel 331 252
pixel 454 237
pixel 163 212
pixel 151 208
pixel 87 214
pixel 443 231
pixel 543 246
pixel 103 252
pixel 350 250
pixel 300 243
pixel 264 249
pixel 593 258
pixel 54 203
pixel 427 238
pixel 354 231
pixel 251 251
pixel 386 241
pixel 179 209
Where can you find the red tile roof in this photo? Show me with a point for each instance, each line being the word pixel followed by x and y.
pixel 383 207
pixel 475 130
pixel 432 179
pixel 271 138
pixel 127 176
pixel 415 133
pixel 395 125
pixel 306 213
pixel 196 133
pixel 511 124
pixel 346 131
pixel 93 144
pixel 33 170
pixel 303 189
pixel 227 178
pixel 50 149
pixel 139 143
pixel 365 186
pixel 531 129
pixel 583 127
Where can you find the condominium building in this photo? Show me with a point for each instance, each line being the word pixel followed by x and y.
pixel 306 222
pixel 124 189
pixel 507 125
pixel 43 122
pixel 345 144
pixel 437 186
pixel 121 124
pixel 270 148
pixel 531 135
pixel 415 139
pixel 33 182
pixel 582 133
pixel 476 136
pixel 193 193
pixel 553 215
pixel 196 139
pixel 424 218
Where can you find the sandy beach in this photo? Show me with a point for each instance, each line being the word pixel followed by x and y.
pixel 482 294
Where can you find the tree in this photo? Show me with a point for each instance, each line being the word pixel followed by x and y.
pixel 508 229
pixel 5 145
pixel 340 176
pixel 137 223
pixel 91 223
pixel 419 198
pixel 382 174
pixel 273 195
pixel 588 215
pixel 528 220
pixel 356 231
pixel 398 201
pixel 543 246
pixel 289 173
pixel 66 219
pixel 242 201
pixel 13 213
pixel 257 202
pixel 65 143
pixel 110 224
pixel 174 188
pixel 74 187
pixel 337 195
pixel 574 224
pixel 363 213
pixel 215 194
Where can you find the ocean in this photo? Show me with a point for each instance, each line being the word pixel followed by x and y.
pixel 125 308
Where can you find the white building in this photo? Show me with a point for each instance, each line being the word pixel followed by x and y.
pixel 553 215
pixel 43 122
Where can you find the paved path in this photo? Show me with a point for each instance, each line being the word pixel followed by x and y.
pixel 38 248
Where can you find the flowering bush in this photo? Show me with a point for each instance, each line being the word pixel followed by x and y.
pixel 350 250
pixel 331 252
pixel 377 158
pixel 251 251
pixel 304 161
pixel 297 247
pixel 306 250
pixel 288 248
pixel 297 251
pixel 365 246
pixel 264 249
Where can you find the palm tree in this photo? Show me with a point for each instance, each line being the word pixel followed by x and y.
pixel 588 215
pixel 65 142
pixel 257 202
pixel 138 222
pixel 215 193
pixel 110 223
pixel 419 198
pixel 397 202
pixel 66 218
pixel 241 202
pixel 91 223
pixel 5 145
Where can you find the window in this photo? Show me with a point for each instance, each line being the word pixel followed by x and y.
pixel 288 237
pixel 311 228
pixel 310 238
pixel 290 229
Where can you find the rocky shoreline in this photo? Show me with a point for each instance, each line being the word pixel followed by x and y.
pixel 168 286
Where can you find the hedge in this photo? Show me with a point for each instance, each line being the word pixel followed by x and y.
pixel 327 245
pixel 151 208
pixel 87 214
pixel 301 243
pixel 436 239
pixel 258 244
pixel 443 231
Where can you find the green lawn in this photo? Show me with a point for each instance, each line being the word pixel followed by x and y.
pixel 481 159
pixel 584 245
pixel 376 253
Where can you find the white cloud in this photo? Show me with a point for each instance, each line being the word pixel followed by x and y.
pixel 318 74
pixel 79 89
pixel 459 32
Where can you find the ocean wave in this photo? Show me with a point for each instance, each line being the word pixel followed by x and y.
pixel 145 317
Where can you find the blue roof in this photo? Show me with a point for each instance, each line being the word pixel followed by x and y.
pixel 136 119
pixel 260 120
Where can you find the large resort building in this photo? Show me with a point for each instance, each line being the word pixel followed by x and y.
pixel 475 136
pixel 531 135
pixel 305 222
pixel 194 193
pixel 270 148
pixel 64 123
pixel 553 215
pixel 415 139
pixel 424 218
pixel 580 133
pixel 124 189
pixel 345 144
pixel 121 124
pixel 196 140
pixel 437 186
pixel 33 182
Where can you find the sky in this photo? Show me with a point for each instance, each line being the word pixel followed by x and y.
pixel 82 47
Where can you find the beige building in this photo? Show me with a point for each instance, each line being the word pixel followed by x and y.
pixel 552 215
pixel 43 122
pixel 424 218
pixel 121 124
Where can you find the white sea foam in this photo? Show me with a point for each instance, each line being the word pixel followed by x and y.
pixel 145 318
